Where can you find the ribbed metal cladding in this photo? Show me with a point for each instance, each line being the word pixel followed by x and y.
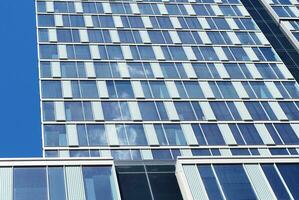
pixel 6 181
pixel 75 185
pixel 259 182
pixel 195 183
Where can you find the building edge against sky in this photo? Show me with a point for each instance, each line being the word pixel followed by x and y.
pixel 159 100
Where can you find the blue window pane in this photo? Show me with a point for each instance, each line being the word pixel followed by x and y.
pixel 48 111
pixel 55 135
pixel 111 111
pixel 29 183
pixel 184 111
pixel 175 135
pixel 256 111
pixel 290 110
pixel 74 111
pixel 56 183
pixel 148 111
pixel 290 174
pixel 136 135
pixel 48 51
pixel 213 134
pixel 287 133
pixel 46 20
pixel 234 182
pixel 99 183
pixel 250 134
pixel 51 89
pixel 114 52
pixel 221 111
pixel 96 135
pixel 275 181
pixel 89 89
pixel 210 182
pixel 199 134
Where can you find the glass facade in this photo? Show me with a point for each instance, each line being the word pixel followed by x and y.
pixel 153 80
pixel 173 99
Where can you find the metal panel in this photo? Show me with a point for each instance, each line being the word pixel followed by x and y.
pixel 296 129
pixel 220 53
pixel 171 111
pixel 225 152
pixel 88 21
pixel 151 134
pixel 123 70
pixel 233 37
pixel 207 111
pixel 232 24
pixel 137 89
pixel 158 53
pixel 204 37
pixel 240 90
pixel 254 72
pixel 175 22
pixel 66 89
pixel 52 35
pixel 146 154
pixel 265 135
pixel 111 134
pixel 278 111
pixel 195 183
pixel 243 11
pixel 264 152
pixel 59 111
pixel 102 89
pixel 78 7
pixel 172 90
pixel 189 134
pixel 157 70
pixel 6 183
pixel 189 53
pixel 49 6
pixel 147 22
pixel 94 51
pixel 145 37
pixel 127 52
pixel 243 112
pixel 273 90
pixel 97 111
pixel 75 184
pixel 114 36
pixel 252 56
pixel 189 9
pixel 174 37
pixel 221 70
pixel 162 9
pixel 186 152
pixel 134 8
pixel 83 35
pixel 204 23
pixel 72 136
pixel 285 71
pixel 227 134
pixel 217 10
pixel 89 69
pixel 189 70
pixel 206 89
pixel 58 20
pixel 55 69
pixel 259 182
pixel 107 8
pixel 62 51
pixel 262 38
pixel 117 21
pixel 134 110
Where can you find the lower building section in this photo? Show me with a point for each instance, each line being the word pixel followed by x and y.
pixel 191 178
pixel 238 178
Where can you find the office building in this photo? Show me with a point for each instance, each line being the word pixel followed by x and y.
pixel 159 99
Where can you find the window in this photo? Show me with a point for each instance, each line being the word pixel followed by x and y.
pixel 124 89
pixel 148 111
pixel 114 52
pixel 174 135
pixel 99 183
pixel 185 111
pixel 29 183
pixel 234 182
pixel 290 172
pixel 96 135
pixel 48 51
pixel 56 183
pixel 213 134
pixel 111 111
pixel 135 135
pixel 89 89
pixel 159 90
pixel 46 21
pixel 51 89
pixel 74 111
pixel 55 135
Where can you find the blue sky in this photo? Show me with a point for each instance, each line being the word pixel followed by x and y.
pixel 20 133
